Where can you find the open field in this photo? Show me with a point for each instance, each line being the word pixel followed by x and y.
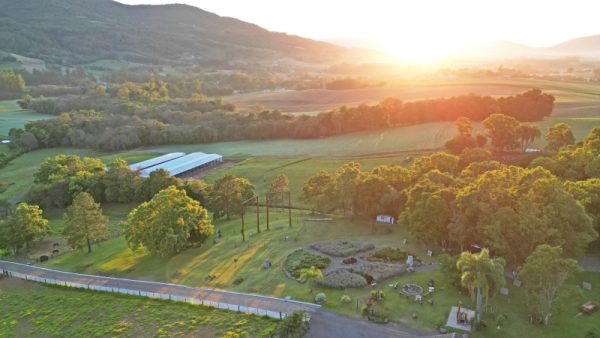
pixel 386 142
pixel 32 310
pixel 581 94
pixel 12 116
pixel 322 99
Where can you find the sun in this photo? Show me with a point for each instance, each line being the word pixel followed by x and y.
pixel 418 51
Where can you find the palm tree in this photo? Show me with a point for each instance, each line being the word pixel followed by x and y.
pixel 482 274
pixel 310 275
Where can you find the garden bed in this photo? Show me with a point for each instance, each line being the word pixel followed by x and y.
pixel 388 255
pixel 378 271
pixel 342 279
pixel 302 259
pixel 342 248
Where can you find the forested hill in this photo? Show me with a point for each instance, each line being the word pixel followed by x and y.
pixel 81 31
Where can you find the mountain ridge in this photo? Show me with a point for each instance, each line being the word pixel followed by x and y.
pixel 79 31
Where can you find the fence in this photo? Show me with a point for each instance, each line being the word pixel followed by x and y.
pixel 241 302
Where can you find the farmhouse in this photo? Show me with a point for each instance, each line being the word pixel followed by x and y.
pixel 177 163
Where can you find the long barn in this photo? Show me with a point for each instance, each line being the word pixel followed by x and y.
pixel 180 164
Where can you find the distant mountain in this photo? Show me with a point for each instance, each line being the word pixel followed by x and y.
pixel 81 31
pixel 498 49
pixel 588 45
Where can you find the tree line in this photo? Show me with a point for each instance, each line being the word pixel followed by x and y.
pixel 139 115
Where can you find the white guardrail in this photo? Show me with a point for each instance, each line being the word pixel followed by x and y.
pixel 157 295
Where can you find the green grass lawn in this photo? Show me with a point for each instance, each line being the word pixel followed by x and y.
pixel 233 259
pixel 12 116
pixel 33 310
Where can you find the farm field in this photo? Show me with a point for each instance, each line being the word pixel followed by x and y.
pixel 12 116
pixel 386 142
pixel 237 266
pixel 32 310
pixel 313 100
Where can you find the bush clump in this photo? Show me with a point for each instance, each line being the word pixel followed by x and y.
pixel 320 298
pixel 379 271
pixel 302 259
pixel 342 279
pixel 345 299
pixel 349 260
pixel 388 255
pixel 293 326
pixel 342 248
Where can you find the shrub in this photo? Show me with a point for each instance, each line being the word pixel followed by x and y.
pixel 349 260
pixel 292 326
pixel 342 248
pixel 238 281
pixel 302 259
pixel 345 299
pixel 377 295
pixel 379 271
pixel 388 255
pixel 320 298
pixel 341 279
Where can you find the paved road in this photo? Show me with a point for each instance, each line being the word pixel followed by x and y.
pixel 326 324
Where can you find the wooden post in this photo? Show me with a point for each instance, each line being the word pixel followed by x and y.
pixel 267 200
pixel 257 216
pixel 243 234
pixel 290 207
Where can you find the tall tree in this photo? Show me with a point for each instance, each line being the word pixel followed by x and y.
pixel 369 194
pixel 279 185
pixel 347 177
pixel 558 136
pixel 227 195
pixel 84 222
pixel 168 223
pixel 481 274
pixel 502 130
pixel 21 228
pixel 318 191
pixel 463 139
pixel 527 134
pixel 544 274
pixel 120 182
pixel 429 207
pixel 157 180
pixel 515 205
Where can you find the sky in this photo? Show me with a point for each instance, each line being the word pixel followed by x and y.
pixel 416 29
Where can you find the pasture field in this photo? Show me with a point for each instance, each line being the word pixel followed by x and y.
pixel 581 94
pixel 237 266
pixel 12 116
pixel 386 142
pixel 32 310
